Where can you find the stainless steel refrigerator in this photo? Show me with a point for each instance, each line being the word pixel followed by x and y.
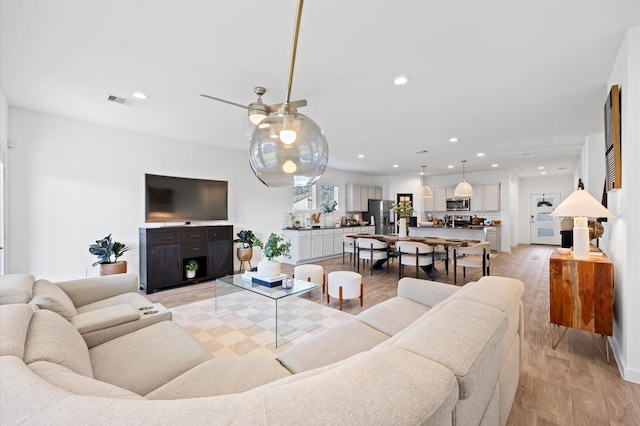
pixel 380 211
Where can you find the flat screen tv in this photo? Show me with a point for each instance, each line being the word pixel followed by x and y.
pixel 176 199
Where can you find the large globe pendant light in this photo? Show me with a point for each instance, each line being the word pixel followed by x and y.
pixel 288 148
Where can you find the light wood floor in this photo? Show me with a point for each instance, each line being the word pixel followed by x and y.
pixel 571 385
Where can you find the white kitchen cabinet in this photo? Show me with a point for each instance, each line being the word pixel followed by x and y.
pixel 477 201
pixel 440 199
pixel 357 196
pixel 316 243
pixel 451 192
pixel 491 198
pixel 327 242
pixel 493 237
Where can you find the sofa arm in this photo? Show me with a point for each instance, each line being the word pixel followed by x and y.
pixel 90 290
pixel 105 318
pixel 428 293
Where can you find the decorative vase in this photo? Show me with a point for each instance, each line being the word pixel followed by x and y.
pixel 327 220
pixel 402 227
pixel 191 274
pixel 113 268
pixel 269 268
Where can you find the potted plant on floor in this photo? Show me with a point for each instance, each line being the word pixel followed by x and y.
pixel 245 252
pixel 108 252
pixel 190 268
pixel 275 246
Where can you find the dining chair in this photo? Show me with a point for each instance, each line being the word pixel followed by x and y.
pixel 349 246
pixel 416 254
pixel 475 256
pixel 372 250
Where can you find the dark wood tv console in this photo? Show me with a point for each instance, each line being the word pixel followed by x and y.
pixel 165 251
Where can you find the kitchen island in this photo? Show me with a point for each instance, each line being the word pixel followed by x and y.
pixel 309 245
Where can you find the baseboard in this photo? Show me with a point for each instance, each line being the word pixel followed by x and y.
pixel 627 374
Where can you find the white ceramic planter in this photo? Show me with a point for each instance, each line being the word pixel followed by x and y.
pixel 191 274
pixel 328 220
pixel 269 268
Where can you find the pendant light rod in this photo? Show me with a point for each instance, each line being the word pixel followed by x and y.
pixel 463 161
pixel 294 48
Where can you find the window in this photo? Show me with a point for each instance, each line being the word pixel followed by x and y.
pixel 303 197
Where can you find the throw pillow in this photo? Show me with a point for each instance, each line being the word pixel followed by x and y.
pixel 15 288
pixel 51 297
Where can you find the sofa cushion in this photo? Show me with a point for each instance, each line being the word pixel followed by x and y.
pixel 501 293
pixel 52 338
pixel 334 344
pixel 393 315
pixel 146 359
pixel 66 379
pixel 16 288
pixel 463 336
pixel 51 297
pixel 14 325
pixel 134 299
pixel 221 377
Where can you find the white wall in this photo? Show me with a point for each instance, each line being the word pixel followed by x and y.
pixel 622 233
pixel 563 184
pixel 4 147
pixel 74 182
pixel 77 182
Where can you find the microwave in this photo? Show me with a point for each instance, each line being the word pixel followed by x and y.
pixel 458 204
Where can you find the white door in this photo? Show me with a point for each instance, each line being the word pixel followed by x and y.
pixel 545 229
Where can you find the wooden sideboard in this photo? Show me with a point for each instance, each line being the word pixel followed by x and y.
pixel 581 293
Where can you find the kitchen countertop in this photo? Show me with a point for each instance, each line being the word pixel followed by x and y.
pixel 325 227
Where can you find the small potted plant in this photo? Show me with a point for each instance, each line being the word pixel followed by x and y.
pixel 190 268
pixel 108 252
pixel 245 252
pixel 275 246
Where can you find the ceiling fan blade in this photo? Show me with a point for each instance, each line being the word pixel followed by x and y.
pixel 296 104
pixel 225 101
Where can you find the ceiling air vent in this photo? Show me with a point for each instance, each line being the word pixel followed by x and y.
pixel 119 100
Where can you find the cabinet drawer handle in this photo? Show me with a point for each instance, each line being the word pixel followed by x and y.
pixel 170 237
pixel 194 235
pixel 195 249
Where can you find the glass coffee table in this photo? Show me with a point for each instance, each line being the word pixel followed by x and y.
pixel 287 325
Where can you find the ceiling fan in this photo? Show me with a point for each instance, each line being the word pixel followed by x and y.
pixel 258 110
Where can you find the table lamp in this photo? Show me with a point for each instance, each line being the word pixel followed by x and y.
pixel 581 205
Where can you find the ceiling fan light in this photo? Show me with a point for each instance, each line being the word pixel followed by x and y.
pixel 300 163
pixel 258 111
pixel 288 136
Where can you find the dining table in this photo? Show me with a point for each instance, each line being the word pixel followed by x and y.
pixel 392 239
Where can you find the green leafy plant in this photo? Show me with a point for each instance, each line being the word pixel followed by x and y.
pixel 245 237
pixel 191 265
pixel 106 249
pixel 403 208
pixel 329 206
pixel 275 246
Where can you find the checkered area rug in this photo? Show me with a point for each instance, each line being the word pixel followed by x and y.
pixel 245 324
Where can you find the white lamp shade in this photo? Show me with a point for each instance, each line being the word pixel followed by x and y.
pixel 464 189
pixel 288 149
pixel 581 203
pixel 425 192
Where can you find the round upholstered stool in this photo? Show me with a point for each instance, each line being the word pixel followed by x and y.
pixel 311 273
pixel 344 285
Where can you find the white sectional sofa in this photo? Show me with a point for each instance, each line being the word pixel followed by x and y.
pixel 435 355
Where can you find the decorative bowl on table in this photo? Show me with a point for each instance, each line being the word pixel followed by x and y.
pixel 425 224
pixel 563 250
pixel 496 222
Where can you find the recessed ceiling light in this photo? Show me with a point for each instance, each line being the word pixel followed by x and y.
pixel 400 80
pixel 480 154
pixel 139 95
pixel 421 173
pixel 543 173
pixel 541 168
pixel 494 165
pixel 396 166
pixel 450 166
pixel 360 155
pixel 453 140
